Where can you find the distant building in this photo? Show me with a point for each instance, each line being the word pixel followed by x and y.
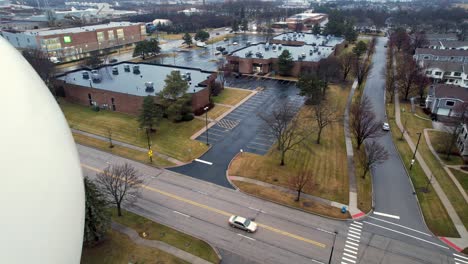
pixel 448 44
pixel 165 22
pixel 444 37
pixel 122 87
pixel 306 50
pixel 445 100
pixel 190 11
pixel 77 42
pixel 305 20
pixel 422 55
pixel 447 72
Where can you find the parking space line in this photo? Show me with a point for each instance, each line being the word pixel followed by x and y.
pixel 269 140
pixel 260 144
pixel 258 149
pixel 213 134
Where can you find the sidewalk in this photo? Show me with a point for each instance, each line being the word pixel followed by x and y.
pixel 461 242
pixel 123 144
pixel 157 244
pixel 352 208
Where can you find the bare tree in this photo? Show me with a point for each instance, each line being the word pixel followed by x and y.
pixel 298 181
pixel 324 113
pixel 390 78
pixel 109 137
pixel 286 128
pixel 42 65
pixel 121 183
pixel 363 122
pixel 376 154
pixel 407 76
pixel 347 61
pixel 362 69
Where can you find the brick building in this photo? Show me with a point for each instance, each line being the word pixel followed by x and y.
pixel 306 50
pixel 122 87
pixel 78 42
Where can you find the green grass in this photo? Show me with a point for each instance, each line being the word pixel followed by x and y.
pixel 327 161
pixel 156 231
pixel 119 249
pixel 462 178
pixel 432 208
pixel 121 151
pixel 217 111
pixel 218 38
pixel 415 125
pixel 438 141
pixel 172 139
pixel 288 199
pixel 230 96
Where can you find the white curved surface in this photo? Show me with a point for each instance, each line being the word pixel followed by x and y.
pixel 42 193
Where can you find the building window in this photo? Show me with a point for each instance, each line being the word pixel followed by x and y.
pixel 110 35
pixel 450 80
pixel 426 57
pixel 100 37
pixel 449 103
pixel 143 30
pixel 458 74
pixel 52 44
pixel 438 73
pixel 428 72
pixel 120 34
pixel 90 99
pixel 466 135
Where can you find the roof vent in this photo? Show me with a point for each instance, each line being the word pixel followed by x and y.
pixel 149 87
pixel 115 70
pixel 127 68
pixel 136 69
pixel 85 75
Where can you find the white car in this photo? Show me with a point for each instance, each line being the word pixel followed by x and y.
pixel 386 126
pixel 235 43
pixel 242 223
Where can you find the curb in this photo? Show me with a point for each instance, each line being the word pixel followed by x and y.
pixel 271 201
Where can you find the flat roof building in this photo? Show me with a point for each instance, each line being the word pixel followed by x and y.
pixel 299 38
pixel 77 42
pixel 122 87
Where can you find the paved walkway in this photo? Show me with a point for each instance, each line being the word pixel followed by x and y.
pixel 353 209
pixel 461 242
pixel 123 144
pixel 454 179
pixel 158 244
pixel 286 190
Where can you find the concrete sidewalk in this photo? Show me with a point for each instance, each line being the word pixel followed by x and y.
pixel 461 242
pixel 157 244
pixel 123 144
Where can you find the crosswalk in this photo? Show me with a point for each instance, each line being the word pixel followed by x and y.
pixel 228 123
pixel 351 247
pixel 459 259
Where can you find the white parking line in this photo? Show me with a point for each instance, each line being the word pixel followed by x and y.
pixel 460 256
pixel 400 225
pixel 462 261
pixel 387 215
pixel 255 209
pixel 246 237
pixel 204 161
pixel 347 259
pixel 181 214
pixel 383 227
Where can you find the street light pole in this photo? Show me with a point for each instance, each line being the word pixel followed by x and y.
pixel 416 149
pixel 206 121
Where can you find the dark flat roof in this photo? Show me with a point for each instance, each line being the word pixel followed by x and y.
pixel 295 51
pixel 134 84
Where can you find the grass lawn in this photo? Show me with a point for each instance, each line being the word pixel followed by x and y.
pixel 327 161
pixel 288 199
pixel 462 178
pixel 218 38
pixel 432 208
pixel 121 151
pixel 217 110
pixel 119 249
pixel 230 96
pixel 415 125
pixel 172 139
pixel 438 139
pixel 156 231
pixel 171 36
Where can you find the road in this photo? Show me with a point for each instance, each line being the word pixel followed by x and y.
pixel 285 235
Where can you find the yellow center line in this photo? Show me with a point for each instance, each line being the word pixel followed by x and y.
pixel 176 197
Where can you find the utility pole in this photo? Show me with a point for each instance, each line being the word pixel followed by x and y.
pixel 404 130
pixel 206 121
pixel 416 149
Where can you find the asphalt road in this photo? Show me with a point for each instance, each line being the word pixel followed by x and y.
pixel 284 236
pixel 241 129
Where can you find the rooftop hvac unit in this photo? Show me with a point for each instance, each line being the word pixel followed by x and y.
pixel 115 70
pixel 149 87
pixel 248 54
pixel 127 68
pixel 280 46
pixel 303 55
pixel 85 75
pixel 311 52
pixel 96 77
pixel 136 69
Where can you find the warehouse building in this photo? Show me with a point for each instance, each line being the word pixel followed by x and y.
pixel 122 87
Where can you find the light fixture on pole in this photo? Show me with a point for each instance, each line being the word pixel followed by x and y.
pixel 206 121
pixel 415 150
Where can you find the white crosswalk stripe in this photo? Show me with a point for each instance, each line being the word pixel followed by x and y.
pixel 351 249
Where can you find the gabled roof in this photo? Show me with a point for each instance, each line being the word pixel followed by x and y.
pixel 446 66
pixel 448 43
pixel 450 91
pixel 440 52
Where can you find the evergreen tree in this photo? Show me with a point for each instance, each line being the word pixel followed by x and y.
pixel 235 26
pixel 97 218
pixel 312 88
pixel 349 33
pixel 187 40
pixel 153 46
pixel 175 86
pixel 359 49
pixel 150 113
pixel 245 25
pixel 174 97
pixel 316 29
pixel 202 36
pixel 285 63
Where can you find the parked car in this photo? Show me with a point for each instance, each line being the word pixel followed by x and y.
pixel 225 52
pixel 234 43
pixel 112 60
pixel 242 223
pixel 385 127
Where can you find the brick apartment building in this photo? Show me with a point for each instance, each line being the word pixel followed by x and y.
pixel 306 49
pixel 78 42
pixel 122 87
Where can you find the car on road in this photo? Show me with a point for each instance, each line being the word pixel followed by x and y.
pixel 242 223
pixel 113 60
pixel 234 43
pixel 385 127
pixel 227 29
